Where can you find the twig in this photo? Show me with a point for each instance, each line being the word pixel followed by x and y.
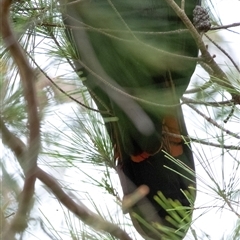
pixel 223 195
pixel 226 26
pixel 201 141
pixel 223 51
pixel 200 88
pixel 194 233
pixel 212 104
pixel 220 76
pixel 230 114
pixel 65 93
pixel 210 120
pixel 231 103
pixel 80 210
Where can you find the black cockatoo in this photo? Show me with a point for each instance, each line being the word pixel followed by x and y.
pixel 138 58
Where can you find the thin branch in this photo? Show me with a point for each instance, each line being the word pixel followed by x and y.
pixel 210 120
pixel 200 88
pixel 229 103
pixel 65 93
pixel 220 76
pixel 107 31
pixel 80 210
pixel 223 51
pixel 86 215
pixel 201 141
pixel 230 114
pixel 223 195
pixel 100 74
pixel 226 26
pixel 212 104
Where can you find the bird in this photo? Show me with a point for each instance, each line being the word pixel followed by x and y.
pixel 137 58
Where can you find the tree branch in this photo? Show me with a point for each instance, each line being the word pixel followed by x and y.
pixel 19 222
pixel 220 76
pixel 223 51
pixel 226 26
pixel 29 157
pixel 27 78
pixel 81 211
pixel 65 93
pixel 200 88
pixel 201 141
pixel 210 120
pixel 85 214
pixel 211 104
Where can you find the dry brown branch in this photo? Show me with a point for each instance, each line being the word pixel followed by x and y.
pixel 80 210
